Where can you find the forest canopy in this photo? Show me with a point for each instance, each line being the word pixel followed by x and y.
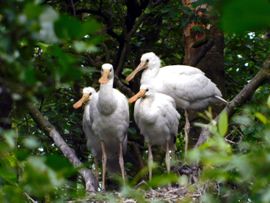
pixel 51 49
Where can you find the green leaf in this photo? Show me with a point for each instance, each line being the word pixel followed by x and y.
pixel 22 154
pixel 90 26
pixel 38 175
pixel 245 15
pixel 261 117
pixel 81 46
pixel 164 179
pixel 31 142
pixel 32 11
pixel 268 102
pixel 29 76
pixel 7 170
pixel 126 71
pixel 64 68
pixel 60 164
pixel 223 123
pixel 12 193
pixel 10 137
pixel 47 19
pixel 67 27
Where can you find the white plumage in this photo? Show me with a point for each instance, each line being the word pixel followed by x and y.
pixel 105 123
pixel 157 119
pixel 92 139
pixel 93 142
pixel 189 86
pixel 110 122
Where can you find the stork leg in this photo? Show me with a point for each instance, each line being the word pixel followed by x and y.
pixel 187 128
pixel 150 161
pixel 96 167
pixel 121 161
pixel 167 158
pixel 104 165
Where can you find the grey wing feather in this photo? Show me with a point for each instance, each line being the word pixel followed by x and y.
pixel 136 111
pixel 124 110
pixel 92 139
pixel 187 83
pixel 195 88
pixel 168 108
pixel 172 115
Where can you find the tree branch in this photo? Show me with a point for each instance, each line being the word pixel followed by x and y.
pixel 126 42
pixel 242 97
pixel 73 8
pixel 30 198
pixel 119 84
pixel 46 126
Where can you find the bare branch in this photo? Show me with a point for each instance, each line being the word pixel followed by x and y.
pixel 126 43
pixel 119 84
pixel 242 97
pixel 46 126
pixel 30 198
pixel 73 8
pixel 137 24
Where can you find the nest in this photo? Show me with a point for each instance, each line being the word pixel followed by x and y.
pixel 172 194
pixel 168 194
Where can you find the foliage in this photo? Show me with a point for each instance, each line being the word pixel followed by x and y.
pixel 245 15
pixel 24 174
pixel 39 57
pixel 237 172
pixel 244 55
pixel 50 49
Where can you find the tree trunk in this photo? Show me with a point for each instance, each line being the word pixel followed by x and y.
pixel 204 45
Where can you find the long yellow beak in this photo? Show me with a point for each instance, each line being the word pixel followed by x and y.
pixel 140 67
pixel 82 101
pixel 137 96
pixel 104 77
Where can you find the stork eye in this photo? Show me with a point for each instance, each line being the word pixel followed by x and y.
pixel 147 60
pixel 110 70
pixel 147 90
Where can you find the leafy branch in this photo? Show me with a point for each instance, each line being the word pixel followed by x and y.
pixel 242 97
pixel 91 183
pixel 46 126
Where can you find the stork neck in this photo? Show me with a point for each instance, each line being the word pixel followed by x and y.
pixel 106 100
pixel 87 111
pixel 149 74
pixel 149 114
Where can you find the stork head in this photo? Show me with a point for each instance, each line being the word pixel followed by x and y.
pixel 145 91
pixel 107 73
pixel 86 96
pixel 148 61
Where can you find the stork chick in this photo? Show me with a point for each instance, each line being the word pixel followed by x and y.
pixel 157 119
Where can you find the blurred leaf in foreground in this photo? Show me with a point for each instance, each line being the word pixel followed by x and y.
pixel 239 16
